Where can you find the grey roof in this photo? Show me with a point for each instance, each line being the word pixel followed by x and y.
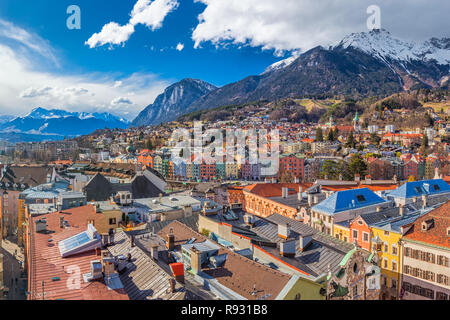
pixel 155 227
pixel 324 249
pixel 375 217
pixel 143 279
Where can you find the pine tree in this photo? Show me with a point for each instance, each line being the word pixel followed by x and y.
pixel 319 135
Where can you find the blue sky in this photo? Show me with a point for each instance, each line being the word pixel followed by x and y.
pixel 223 42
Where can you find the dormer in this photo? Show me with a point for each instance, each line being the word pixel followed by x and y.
pixel 427 224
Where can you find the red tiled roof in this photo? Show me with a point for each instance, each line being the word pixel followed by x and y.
pixel 437 235
pixel 46 262
pixel 269 190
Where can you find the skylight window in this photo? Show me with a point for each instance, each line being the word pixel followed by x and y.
pixel 418 190
pixel 82 242
pixel 360 198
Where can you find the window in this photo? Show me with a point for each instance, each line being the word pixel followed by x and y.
pixel 365 237
pixel 355 290
pixel 394 250
pixel 394 266
pixel 429 293
pixel 386 233
pixel 355 234
pixel 406 269
pixel 393 283
pixel 441 296
pixel 112 221
pixel 385 281
pixel 407 286
pixel 385 263
pixel 436 187
pixel 407 252
pixel 418 190
pixel 386 248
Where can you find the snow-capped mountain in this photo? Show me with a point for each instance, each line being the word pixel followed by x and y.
pixel 59 123
pixel 381 44
pixel 169 105
pixel 281 64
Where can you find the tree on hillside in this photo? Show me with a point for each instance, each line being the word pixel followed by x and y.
pixel 351 141
pixel 357 165
pixel 319 135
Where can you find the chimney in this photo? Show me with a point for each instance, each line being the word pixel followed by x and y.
pixel 249 220
pixel 61 222
pixel 170 241
pixel 196 260
pixel 284 192
pixel 172 284
pixel 425 201
pixel 155 252
pixel 310 200
pixel 340 177
pixel 160 197
pixel 436 173
pixel 304 241
pixel 287 248
pixel 274 180
pixel 299 194
pixel 402 210
pixel 378 209
pixel 284 231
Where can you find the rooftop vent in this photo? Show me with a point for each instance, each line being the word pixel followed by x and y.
pixel 287 248
pixel 284 231
pixel 219 260
pixel 249 220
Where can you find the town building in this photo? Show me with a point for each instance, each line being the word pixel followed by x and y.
pixel 426 256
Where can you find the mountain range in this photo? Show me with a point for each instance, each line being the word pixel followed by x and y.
pixel 173 102
pixel 362 64
pixel 43 124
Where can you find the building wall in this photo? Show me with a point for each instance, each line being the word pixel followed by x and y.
pixel 264 207
pixel 390 282
pixel 428 279
pixel 10 211
pixel 341 232
pixel 361 229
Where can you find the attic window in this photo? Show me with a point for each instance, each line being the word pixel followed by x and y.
pixel 361 198
pixel 436 187
pixel 418 190
pixel 427 225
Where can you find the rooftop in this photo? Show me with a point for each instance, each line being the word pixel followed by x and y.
pixel 437 234
pixel 49 268
pixel 419 188
pixel 239 274
pixel 348 200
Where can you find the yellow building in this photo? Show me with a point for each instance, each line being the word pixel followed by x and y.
pixel 189 170
pixel 232 170
pixel 341 231
pixel 386 244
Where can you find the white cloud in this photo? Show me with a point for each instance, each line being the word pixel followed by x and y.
pixel 121 101
pixel 26 40
pixel 303 24
pixel 23 87
pixel 146 12
pixel 180 47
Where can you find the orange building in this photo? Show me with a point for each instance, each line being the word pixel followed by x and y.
pixel 264 200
